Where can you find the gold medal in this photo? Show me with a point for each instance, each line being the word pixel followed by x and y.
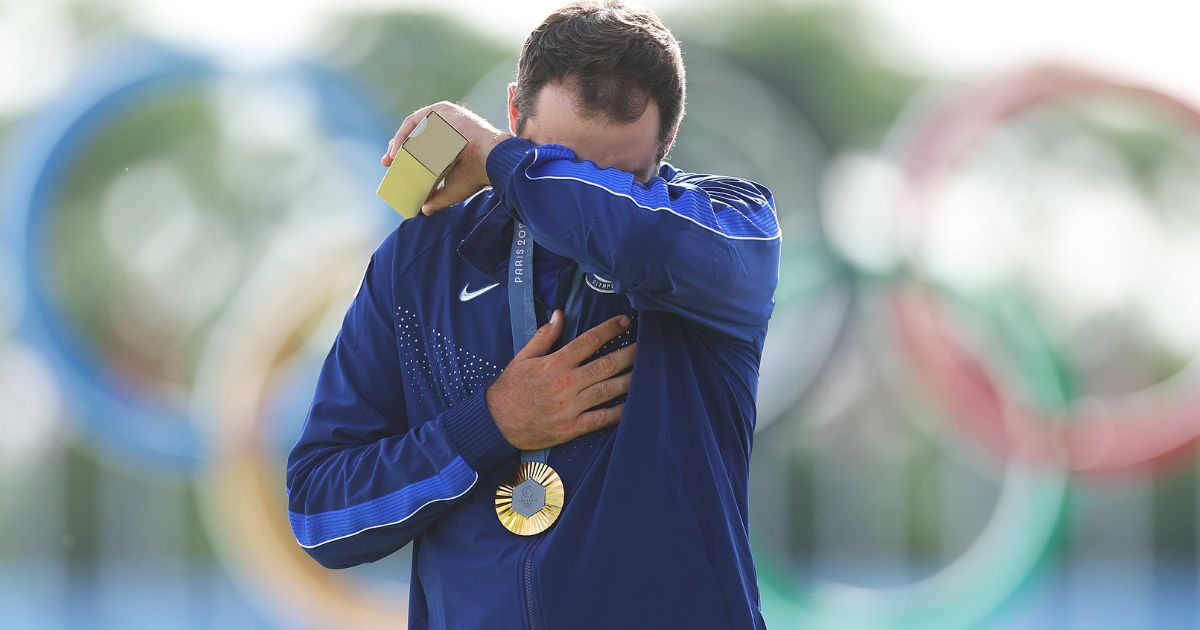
pixel 530 499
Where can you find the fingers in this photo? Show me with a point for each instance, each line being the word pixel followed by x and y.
pixel 456 188
pixel 406 127
pixel 607 365
pixel 590 341
pixel 605 390
pixel 598 419
pixel 410 123
pixel 543 339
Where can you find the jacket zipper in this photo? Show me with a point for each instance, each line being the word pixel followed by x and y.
pixel 527 567
pixel 528 580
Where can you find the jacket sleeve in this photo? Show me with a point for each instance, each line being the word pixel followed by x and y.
pixel 363 479
pixel 702 246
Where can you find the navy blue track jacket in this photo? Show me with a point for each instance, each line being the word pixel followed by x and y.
pixel 398 445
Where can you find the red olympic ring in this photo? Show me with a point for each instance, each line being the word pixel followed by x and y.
pixel 1152 427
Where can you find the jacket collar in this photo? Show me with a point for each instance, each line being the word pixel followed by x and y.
pixel 485 247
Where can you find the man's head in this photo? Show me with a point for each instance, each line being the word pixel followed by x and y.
pixel 604 78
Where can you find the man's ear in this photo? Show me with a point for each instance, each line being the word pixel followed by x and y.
pixel 665 148
pixel 670 141
pixel 512 108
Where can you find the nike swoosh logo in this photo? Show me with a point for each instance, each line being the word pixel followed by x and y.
pixel 465 295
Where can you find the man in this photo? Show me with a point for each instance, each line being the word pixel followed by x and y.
pixel 414 427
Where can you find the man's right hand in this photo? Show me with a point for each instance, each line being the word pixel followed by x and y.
pixel 542 400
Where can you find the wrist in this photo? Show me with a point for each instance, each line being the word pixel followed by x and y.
pixel 495 409
pixel 486 152
pixel 503 159
pixel 475 434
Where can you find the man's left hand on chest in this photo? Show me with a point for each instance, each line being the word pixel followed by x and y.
pixel 469 174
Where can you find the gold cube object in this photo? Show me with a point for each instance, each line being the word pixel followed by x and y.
pixel 424 158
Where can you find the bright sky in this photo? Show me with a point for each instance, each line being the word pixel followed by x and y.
pixel 1153 40
pixel 1150 39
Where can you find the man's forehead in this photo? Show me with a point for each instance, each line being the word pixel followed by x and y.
pixel 558 118
pixel 558 106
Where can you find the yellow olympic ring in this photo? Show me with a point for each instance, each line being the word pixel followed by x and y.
pixel 241 490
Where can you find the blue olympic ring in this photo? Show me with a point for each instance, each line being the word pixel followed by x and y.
pixel 112 408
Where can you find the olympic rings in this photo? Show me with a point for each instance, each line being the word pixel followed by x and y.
pixel 260 337
pixel 1006 553
pixel 264 334
pixel 1123 433
pixel 122 416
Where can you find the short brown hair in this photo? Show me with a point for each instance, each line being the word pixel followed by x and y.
pixel 614 56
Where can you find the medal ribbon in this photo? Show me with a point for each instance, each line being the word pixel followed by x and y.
pixel 522 311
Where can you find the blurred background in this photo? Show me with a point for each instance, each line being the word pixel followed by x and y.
pixel 979 400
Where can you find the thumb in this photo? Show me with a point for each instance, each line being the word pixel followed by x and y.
pixel 543 339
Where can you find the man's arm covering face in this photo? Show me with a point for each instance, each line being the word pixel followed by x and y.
pixel 705 247
pixel 362 482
